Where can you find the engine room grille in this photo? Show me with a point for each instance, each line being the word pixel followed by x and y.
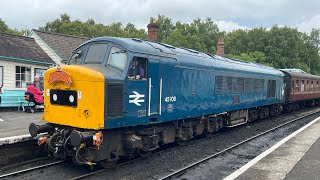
pixel 114 100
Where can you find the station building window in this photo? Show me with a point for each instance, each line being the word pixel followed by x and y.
pixel 1 75
pixel 39 72
pixel 23 75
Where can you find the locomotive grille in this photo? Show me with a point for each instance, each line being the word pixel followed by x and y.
pixel 114 100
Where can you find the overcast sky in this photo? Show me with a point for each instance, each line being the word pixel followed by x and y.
pixel 229 14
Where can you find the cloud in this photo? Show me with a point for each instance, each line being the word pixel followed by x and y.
pixel 230 14
pixel 306 26
pixel 229 26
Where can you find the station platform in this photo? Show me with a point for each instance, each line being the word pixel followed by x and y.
pixel 295 157
pixel 14 126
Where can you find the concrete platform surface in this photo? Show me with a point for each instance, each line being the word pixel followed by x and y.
pixel 17 123
pixel 295 157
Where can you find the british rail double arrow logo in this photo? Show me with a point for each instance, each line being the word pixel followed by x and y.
pixel 136 98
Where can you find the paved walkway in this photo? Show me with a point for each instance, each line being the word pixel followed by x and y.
pixel 295 157
pixel 17 123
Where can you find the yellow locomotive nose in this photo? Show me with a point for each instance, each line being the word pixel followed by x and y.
pixel 74 96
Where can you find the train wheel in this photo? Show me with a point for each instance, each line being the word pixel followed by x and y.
pixel 144 153
pixel 107 164
pixel 181 142
pixel 206 133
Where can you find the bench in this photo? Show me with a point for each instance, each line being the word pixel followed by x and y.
pixel 13 98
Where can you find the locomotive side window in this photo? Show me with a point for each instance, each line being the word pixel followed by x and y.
pixel 258 85
pixel 238 85
pixel 118 58
pixel 224 84
pixel 271 88
pixel 76 57
pixel 248 85
pixel 96 53
pixel 138 69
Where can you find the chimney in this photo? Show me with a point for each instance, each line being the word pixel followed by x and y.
pixel 152 29
pixel 220 47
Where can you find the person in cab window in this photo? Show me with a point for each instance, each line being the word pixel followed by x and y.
pixel 136 70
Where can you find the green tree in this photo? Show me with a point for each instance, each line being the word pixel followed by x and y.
pixel 3 26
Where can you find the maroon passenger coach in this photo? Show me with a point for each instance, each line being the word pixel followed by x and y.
pixel 301 89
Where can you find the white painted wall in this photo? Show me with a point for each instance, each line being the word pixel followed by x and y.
pixel 9 73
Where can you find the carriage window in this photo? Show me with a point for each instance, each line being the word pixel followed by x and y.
pixel 292 85
pixel 317 86
pixel 302 85
pixel 118 58
pixel 307 87
pixel 96 53
pixel 297 87
pixel 311 86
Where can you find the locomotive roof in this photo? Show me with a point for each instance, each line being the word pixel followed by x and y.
pixel 188 57
pixel 302 75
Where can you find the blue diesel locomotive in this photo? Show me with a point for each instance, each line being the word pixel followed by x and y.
pixel 98 111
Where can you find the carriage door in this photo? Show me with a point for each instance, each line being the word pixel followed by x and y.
pixel 154 84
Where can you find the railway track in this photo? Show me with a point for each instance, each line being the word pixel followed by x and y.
pixel 157 152
pixel 181 171
pixel 171 174
pixel 184 169
pixel 18 172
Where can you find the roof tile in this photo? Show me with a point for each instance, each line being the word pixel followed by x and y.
pixel 62 44
pixel 22 47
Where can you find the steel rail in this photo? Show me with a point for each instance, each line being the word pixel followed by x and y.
pixel 194 141
pixel 31 169
pixel 184 169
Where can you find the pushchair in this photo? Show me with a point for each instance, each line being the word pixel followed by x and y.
pixel 35 107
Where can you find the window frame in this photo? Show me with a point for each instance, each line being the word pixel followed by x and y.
pixel 2 74
pixel 20 81
pixel 84 49
pixel 146 63
pixel 107 51
pixel 35 69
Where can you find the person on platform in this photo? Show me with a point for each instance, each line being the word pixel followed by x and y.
pixel 37 94
pixel 1 89
pixel 38 83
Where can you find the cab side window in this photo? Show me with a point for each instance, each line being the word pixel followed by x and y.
pixel 138 69
pixel 76 57
pixel 118 58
